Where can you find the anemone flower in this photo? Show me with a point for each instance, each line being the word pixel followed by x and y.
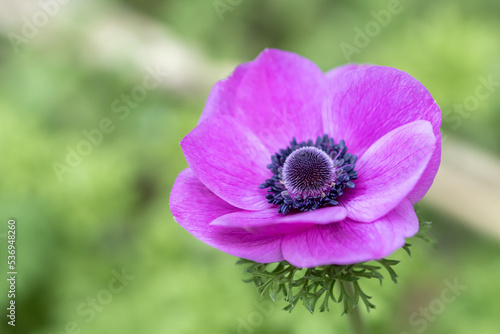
pixel 288 163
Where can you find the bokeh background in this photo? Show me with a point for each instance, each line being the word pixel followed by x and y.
pixel 63 74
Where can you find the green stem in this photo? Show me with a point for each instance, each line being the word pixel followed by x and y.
pixel 357 324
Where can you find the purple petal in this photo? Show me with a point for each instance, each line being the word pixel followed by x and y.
pixel 389 170
pixel 351 242
pixel 230 160
pixel 369 101
pixel 333 73
pixel 221 98
pixel 194 206
pixel 280 97
pixel 271 222
pixel 423 185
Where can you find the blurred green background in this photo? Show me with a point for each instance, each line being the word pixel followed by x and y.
pixel 79 227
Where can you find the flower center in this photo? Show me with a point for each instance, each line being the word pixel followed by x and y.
pixel 308 172
pixel 308 175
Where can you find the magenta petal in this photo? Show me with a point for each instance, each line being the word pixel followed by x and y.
pixel 271 222
pixel 333 73
pixel 221 98
pixel 230 160
pixel 351 242
pixel 423 185
pixel 389 171
pixel 369 101
pixel 280 97
pixel 194 206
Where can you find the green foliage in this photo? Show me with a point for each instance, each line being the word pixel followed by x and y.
pixel 340 284
pixel 315 287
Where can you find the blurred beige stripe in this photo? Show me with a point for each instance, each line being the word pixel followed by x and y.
pixel 467 187
pixel 122 37
pixel 117 38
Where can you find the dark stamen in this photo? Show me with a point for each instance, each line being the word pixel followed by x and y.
pixel 307 176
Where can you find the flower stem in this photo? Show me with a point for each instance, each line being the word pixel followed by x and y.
pixel 357 324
